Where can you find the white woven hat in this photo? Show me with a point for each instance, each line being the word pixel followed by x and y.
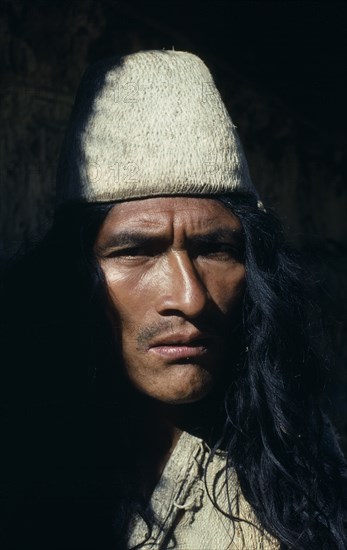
pixel 150 124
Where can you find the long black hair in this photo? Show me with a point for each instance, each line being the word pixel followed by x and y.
pixel 279 442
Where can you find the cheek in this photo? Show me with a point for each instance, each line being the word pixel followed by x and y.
pixel 227 290
pixel 122 307
pixel 129 303
pixel 132 291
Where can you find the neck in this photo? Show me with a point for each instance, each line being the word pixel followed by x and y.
pixel 159 428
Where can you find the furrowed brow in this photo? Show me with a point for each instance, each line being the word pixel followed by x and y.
pixel 133 239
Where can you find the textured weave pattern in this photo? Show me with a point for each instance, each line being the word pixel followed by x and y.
pixel 148 124
pixel 186 519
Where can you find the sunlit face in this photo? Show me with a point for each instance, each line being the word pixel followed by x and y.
pixel 175 277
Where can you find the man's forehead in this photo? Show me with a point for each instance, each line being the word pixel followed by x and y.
pixel 154 212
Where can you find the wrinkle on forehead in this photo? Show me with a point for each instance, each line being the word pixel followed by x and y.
pixel 159 211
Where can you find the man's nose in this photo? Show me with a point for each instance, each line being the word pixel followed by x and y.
pixel 181 287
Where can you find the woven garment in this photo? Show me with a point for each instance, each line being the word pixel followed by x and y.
pixel 150 124
pixel 186 518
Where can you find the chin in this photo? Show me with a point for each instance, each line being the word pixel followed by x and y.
pixel 186 393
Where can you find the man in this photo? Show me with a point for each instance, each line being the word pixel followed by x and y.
pixel 185 355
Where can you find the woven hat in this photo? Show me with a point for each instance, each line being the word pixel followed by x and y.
pixel 150 124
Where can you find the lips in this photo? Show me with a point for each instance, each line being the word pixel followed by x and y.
pixel 182 346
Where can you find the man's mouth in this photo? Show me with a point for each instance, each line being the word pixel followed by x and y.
pixel 182 346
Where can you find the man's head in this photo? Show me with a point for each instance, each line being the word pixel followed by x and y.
pixel 175 276
pixel 150 133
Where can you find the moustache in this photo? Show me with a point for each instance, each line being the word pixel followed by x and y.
pixel 167 327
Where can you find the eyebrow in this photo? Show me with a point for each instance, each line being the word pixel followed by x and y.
pixel 134 238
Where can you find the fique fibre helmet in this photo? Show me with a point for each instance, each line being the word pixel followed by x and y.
pixel 150 124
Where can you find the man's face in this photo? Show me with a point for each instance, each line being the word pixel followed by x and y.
pixel 175 277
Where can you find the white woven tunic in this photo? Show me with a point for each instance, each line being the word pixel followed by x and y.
pixel 186 519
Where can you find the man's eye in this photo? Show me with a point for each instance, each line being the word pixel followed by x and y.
pixel 219 251
pixel 133 252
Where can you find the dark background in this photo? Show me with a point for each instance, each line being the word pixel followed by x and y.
pixel 281 69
